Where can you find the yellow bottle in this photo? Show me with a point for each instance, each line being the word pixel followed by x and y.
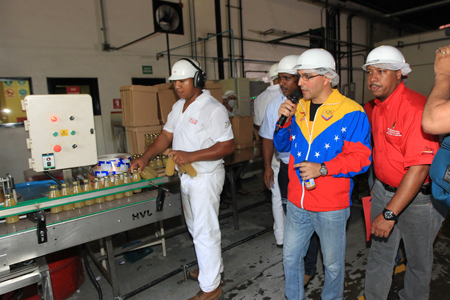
pixel 109 182
pixel 147 140
pixel 117 182
pixel 126 180
pixel 164 159
pixel 10 201
pixel 98 186
pixel 148 173
pixel 136 178
pixel 158 162
pixel 87 187
pixel 190 170
pixel 76 189
pixel 54 193
pixel 181 169
pixel 170 166
pixel 65 191
pixel 152 163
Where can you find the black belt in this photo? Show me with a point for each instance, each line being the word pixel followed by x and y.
pixel 424 189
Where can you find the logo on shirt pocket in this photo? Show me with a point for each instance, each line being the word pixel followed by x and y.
pixel 193 121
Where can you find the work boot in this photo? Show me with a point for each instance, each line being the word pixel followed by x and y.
pixel 217 294
pixel 193 275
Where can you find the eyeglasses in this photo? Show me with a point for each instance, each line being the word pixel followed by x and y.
pixel 307 77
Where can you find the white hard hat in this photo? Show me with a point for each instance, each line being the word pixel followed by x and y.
pixel 287 64
pixel 183 69
pixel 273 71
pixel 314 59
pixel 387 57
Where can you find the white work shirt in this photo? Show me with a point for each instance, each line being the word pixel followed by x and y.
pixel 204 123
pixel 263 100
pixel 270 122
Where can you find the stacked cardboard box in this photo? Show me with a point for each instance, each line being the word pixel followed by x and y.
pixel 242 131
pixel 145 108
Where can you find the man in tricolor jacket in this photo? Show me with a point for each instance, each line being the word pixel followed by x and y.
pixel 328 137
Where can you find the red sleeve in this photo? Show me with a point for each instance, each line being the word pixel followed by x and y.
pixel 418 147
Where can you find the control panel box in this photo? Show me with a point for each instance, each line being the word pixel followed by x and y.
pixel 61 130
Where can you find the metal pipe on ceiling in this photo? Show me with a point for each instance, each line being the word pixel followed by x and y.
pixel 241 34
pixel 418 9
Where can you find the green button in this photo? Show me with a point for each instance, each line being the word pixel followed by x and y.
pixel 55 134
pixel 72 132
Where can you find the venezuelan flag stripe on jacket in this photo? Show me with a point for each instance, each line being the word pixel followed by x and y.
pixel 340 138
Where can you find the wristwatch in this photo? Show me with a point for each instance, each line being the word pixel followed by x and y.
pixel 323 169
pixel 389 215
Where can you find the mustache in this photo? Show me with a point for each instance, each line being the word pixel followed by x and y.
pixel 373 84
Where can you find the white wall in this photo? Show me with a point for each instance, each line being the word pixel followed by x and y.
pixel 49 38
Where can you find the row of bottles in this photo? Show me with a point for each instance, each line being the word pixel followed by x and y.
pixel 150 139
pixel 99 183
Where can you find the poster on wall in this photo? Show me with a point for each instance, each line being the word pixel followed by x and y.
pixel 11 93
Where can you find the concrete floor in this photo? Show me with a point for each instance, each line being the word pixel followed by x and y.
pixel 253 269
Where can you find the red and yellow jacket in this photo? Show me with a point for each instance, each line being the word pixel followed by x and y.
pixel 340 138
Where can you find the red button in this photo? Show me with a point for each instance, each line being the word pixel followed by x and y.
pixel 54 119
pixel 57 148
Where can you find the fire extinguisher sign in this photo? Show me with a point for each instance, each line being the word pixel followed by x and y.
pixel 117 103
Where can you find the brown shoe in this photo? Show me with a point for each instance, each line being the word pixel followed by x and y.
pixel 193 275
pixel 217 294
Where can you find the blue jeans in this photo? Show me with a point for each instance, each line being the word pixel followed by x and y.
pixel 330 227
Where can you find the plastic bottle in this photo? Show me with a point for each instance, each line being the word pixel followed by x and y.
pixel 147 140
pixel 87 187
pixel 54 193
pixel 170 166
pixel 158 162
pixel 152 163
pixel 65 191
pixel 310 184
pixel 109 182
pixel 76 189
pixel 117 182
pixel 127 179
pixel 98 186
pixel 10 201
pixel 148 173
pixel 190 170
pixel 181 169
pixel 136 178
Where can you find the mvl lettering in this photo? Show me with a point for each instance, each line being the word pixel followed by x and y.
pixel 141 214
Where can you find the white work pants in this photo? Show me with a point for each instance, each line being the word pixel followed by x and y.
pixel 201 198
pixel 277 206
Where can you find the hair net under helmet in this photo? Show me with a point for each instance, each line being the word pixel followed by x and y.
pixel 387 57
pixel 318 61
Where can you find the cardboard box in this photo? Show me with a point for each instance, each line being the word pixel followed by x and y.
pixel 215 90
pixel 242 131
pixel 136 137
pixel 166 99
pixel 139 105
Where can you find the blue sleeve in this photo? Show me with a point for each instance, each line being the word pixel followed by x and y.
pixel 282 139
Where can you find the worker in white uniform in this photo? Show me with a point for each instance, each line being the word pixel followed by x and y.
pixel 229 101
pixel 272 164
pixel 200 132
